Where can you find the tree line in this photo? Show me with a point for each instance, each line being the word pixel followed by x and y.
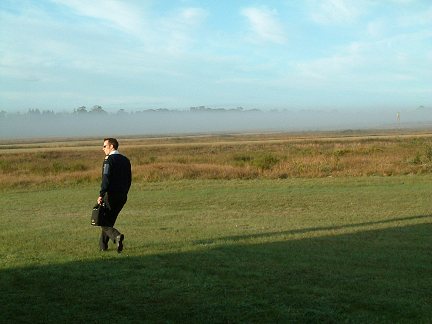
pixel 99 110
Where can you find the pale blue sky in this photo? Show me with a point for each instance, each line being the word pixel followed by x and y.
pixel 312 54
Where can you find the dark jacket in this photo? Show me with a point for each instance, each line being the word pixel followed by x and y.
pixel 116 174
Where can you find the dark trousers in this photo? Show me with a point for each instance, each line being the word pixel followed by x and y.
pixel 114 203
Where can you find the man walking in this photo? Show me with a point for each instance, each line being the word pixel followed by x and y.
pixel 116 181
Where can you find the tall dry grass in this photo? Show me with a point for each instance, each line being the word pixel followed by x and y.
pixel 221 157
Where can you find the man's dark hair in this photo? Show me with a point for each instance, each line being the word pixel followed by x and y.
pixel 113 142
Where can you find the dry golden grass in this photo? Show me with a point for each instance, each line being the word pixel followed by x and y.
pixel 244 156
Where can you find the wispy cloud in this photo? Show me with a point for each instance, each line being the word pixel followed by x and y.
pixel 416 19
pixel 357 65
pixel 193 15
pixel 170 33
pixel 377 28
pixel 121 15
pixel 334 11
pixel 265 25
pixel 175 33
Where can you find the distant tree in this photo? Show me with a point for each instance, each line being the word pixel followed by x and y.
pixel 80 110
pixel 33 112
pixel 96 109
pixel 121 112
pixel 3 114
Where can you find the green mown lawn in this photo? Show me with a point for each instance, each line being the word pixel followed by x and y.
pixel 263 251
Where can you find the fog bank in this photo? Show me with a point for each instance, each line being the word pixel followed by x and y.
pixel 27 126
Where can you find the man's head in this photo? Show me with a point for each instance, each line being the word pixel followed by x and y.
pixel 109 145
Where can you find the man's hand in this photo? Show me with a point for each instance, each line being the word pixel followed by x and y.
pixel 99 200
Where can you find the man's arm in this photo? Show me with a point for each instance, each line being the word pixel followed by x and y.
pixel 106 172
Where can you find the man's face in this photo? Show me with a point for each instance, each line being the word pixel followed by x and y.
pixel 107 147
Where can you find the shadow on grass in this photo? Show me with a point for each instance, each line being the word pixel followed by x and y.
pixel 371 276
pixel 311 230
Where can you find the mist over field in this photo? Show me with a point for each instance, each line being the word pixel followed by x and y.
pixel 23 126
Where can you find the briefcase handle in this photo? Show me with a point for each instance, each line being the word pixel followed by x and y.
pixel 97 205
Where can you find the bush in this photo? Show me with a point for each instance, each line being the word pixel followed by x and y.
pixel 417 159
pixel 428 153
pixel 266 162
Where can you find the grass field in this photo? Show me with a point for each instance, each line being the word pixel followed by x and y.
pixel 258 250
pixel 255 156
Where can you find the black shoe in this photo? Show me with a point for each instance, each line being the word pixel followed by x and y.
pixel 119 241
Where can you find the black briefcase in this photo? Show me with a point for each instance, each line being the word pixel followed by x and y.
pixel 98 214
